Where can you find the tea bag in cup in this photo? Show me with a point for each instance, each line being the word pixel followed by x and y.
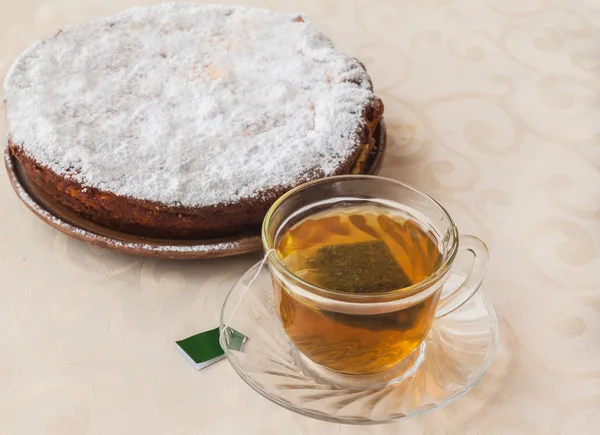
pixel 362 267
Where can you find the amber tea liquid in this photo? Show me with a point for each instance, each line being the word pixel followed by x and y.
pixel 364 249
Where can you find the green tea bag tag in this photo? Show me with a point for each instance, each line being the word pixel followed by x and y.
pixel 204 349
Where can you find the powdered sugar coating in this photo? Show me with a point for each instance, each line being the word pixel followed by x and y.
pixel 185 104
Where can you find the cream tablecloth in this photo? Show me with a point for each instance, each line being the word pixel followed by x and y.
pixel 493 106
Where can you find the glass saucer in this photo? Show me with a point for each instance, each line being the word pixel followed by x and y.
pixel 456 353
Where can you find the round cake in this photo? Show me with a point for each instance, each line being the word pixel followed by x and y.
pixel 186 121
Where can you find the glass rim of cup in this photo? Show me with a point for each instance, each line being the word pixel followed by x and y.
pixel 380 297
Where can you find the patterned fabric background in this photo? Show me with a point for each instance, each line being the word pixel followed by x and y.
pixel 493 106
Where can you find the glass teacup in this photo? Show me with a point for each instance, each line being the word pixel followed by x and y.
pixel 361 333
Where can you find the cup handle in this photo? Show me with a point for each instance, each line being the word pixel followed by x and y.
pixel 471 284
